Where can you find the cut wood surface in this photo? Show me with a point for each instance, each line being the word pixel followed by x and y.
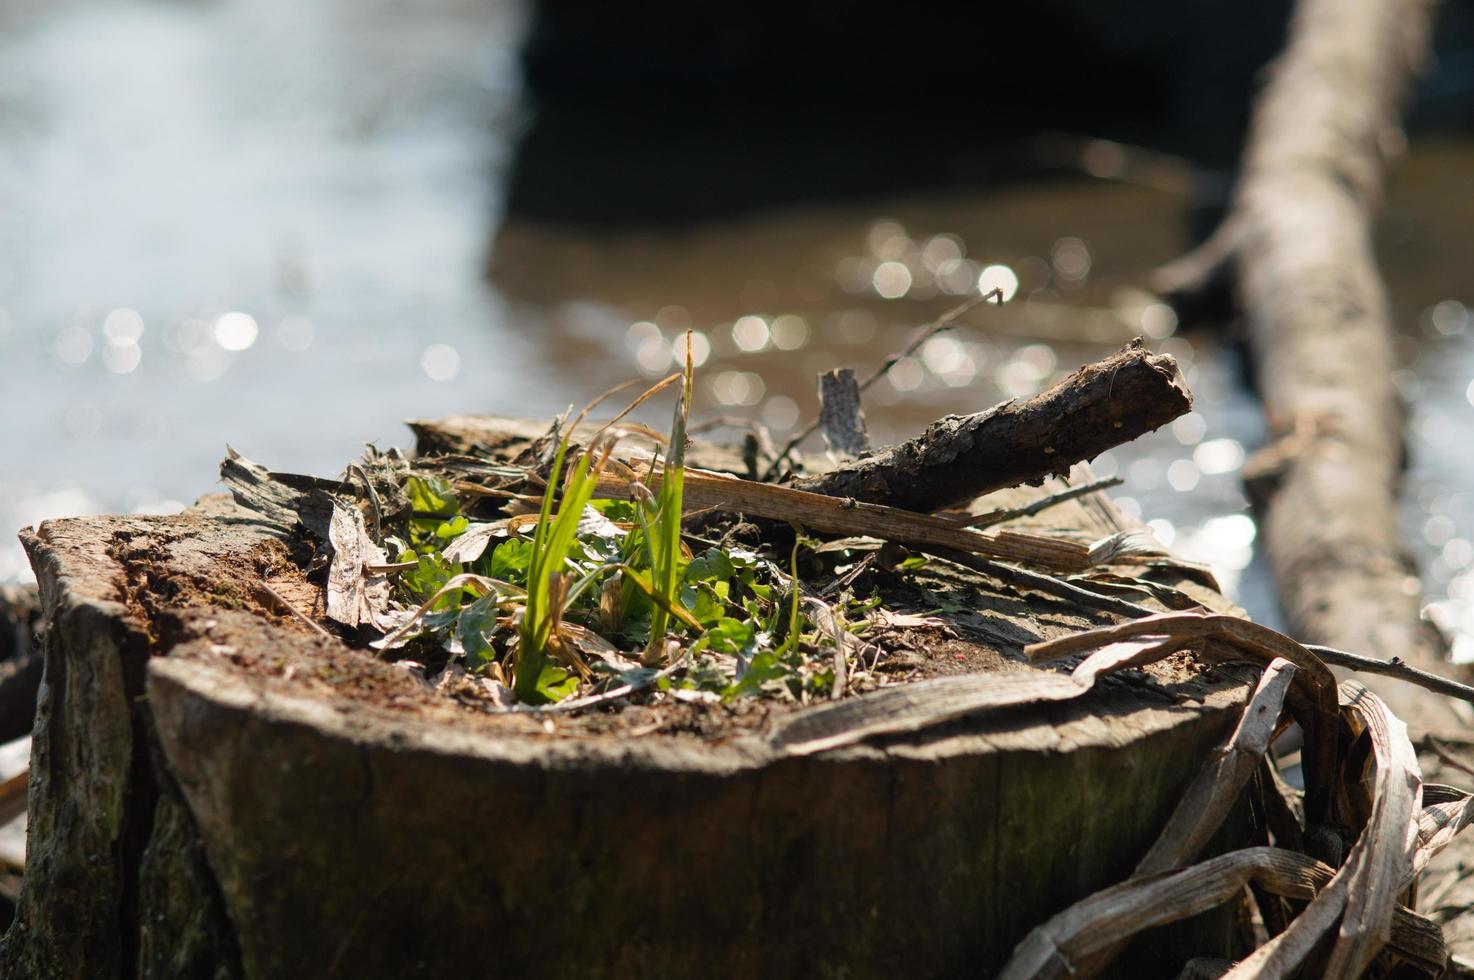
pixel 285 804
pixel 1020 441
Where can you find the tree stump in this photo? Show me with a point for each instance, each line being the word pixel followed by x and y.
pixel 219 791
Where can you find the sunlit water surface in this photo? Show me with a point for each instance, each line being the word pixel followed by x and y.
pixel 279 225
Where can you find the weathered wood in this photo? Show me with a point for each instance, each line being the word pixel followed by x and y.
pixel 1322 338
pixel 106 586
pixel 504 437
pixel 839 860
pixel 820 512
pixel 841 414
pixel 958 458
pixel 68 920
pixel 269 804
pixel 1321 333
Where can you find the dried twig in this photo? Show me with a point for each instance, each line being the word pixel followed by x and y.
pixel 1449 759
pixel 942 323
pixel 1394 668
pixel 1095 407
pixel 287 607
pixel 1029 510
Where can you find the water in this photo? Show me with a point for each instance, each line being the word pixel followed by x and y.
pixel 281 226
pixel 323 168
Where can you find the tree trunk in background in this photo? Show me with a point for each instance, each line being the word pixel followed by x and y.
pixel 1322 336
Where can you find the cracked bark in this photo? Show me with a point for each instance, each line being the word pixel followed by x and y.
pixel 1020 441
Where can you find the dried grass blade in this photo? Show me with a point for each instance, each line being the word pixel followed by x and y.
pixel 824 617
pixel 704 490
pixel 471 543
pixel 915 707
pixel 1363 894
pixel 1043 503
pixel 1313 695
pixel 614 694
pixel 1438 824
pixel 1057 948
pixel 354 595
pixel 1388 843
pixel 1104 919
pixel 454 582
pixel 1212 793
pixel 648 394
pixel 1218 784
pixel 1136 652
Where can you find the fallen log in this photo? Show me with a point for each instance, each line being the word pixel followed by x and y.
pixel 1321 333
pixel 1018 442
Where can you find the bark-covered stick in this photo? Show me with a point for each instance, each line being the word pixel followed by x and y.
pixel 1019 441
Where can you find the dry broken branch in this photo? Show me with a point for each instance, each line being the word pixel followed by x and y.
pixel 958 458
pixel 942 323
pixel 1425 679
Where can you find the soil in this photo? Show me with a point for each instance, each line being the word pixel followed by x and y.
pixel 192 585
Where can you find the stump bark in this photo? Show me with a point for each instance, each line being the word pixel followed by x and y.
pixel 218 791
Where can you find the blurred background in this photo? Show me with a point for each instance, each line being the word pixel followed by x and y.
pixel 287 225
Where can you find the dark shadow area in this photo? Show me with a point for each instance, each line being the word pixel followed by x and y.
pixel 664 113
